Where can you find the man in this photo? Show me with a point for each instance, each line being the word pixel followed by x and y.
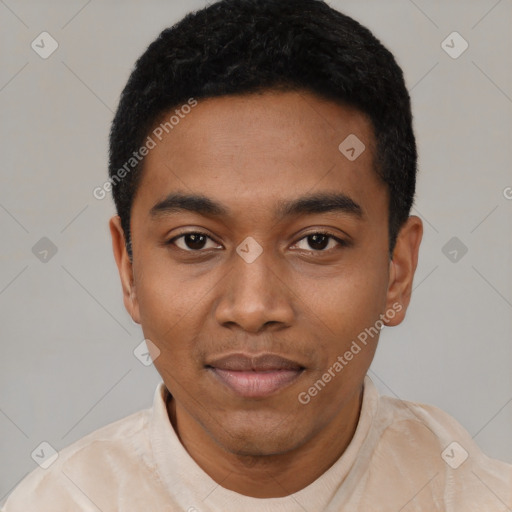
pixel 263 165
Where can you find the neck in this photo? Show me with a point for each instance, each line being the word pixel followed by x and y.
pixel 269 476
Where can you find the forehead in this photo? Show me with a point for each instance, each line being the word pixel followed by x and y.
pixel 256 149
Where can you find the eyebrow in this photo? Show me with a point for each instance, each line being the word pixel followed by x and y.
pixel 308 204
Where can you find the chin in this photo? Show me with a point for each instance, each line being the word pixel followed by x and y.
pixel 257 440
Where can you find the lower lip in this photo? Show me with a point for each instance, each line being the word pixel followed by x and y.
pixel 253 384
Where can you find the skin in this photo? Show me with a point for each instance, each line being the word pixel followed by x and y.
pixel 299 300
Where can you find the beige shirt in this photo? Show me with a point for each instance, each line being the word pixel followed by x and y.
pixel 403 457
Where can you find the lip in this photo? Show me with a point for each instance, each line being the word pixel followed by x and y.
pixel 255 376
pixel 254 362
pixel 250 384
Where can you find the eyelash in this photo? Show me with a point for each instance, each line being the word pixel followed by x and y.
pixel 341 242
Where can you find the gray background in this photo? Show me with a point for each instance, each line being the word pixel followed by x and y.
pixel 67 364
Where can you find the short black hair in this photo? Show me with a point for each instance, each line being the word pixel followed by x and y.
pixel 235 47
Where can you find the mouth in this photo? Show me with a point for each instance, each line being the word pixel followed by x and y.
pixel 255 376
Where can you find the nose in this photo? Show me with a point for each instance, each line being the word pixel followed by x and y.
pixel 255 295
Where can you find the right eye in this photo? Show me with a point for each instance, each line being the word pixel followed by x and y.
pixel 193 241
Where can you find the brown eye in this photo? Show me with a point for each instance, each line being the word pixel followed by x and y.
pixel 318 242
pixel 321 242
pixel 191 242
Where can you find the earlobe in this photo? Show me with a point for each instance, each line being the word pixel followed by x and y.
pixel 125 268
pixel 133 308
pixel 402 268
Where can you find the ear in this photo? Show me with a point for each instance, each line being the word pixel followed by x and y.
pixel 125 268
pixel 402 268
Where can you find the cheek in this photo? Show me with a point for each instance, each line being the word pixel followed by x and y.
pixel 173 310
pixel 348 302
pixel 163 294
pixel 165 306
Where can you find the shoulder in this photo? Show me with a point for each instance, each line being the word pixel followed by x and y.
pixel 426 441
pixel 96 457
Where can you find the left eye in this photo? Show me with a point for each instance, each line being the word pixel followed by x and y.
pixel 319 242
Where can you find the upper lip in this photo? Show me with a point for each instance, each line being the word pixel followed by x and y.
pixel 261 362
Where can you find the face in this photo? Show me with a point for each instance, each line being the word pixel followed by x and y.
pixel 282 253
